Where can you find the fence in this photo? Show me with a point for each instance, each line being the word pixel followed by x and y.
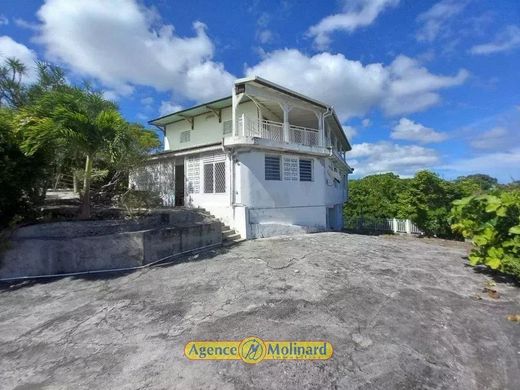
pixel 384 225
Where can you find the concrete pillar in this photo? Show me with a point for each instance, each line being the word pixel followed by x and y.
pixel 286 108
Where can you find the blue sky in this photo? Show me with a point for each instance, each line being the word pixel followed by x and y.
pixel 416 84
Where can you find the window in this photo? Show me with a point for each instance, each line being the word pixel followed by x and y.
pixel 185 136
pixel 215 177
pixel 193 175
pixel 305 170
pixel 227 127
pixel 290 168
pixel 272 168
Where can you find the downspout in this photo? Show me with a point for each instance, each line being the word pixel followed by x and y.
pixel 163 129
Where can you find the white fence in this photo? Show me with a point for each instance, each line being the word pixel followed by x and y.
pixel 384 225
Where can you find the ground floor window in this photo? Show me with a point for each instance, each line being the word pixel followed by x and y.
pixel 215 177
pixel 305 170
pixel 272 168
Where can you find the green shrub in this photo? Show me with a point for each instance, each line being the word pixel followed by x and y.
pixel 492 222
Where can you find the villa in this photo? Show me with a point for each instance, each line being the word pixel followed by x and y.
pixel 266 161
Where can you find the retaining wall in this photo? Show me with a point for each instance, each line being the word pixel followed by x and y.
pixel 67 247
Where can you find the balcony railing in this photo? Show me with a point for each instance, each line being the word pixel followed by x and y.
pixel 274 131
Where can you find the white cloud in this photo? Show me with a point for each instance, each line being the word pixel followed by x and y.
pixel 506 40
pixel 402 87
pixel 435 20
pixel 168 108
pixel 366 122
pixel 349 131
pixel 504 165
pixel 11 48
pixel 409 130
pixel 122 44
pixel 381 157
pixel 356 14
pixel 265 36
pixel 3 20
pixel 147 101
pixel 495 138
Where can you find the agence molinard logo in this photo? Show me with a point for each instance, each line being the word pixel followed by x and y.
pixel 253 350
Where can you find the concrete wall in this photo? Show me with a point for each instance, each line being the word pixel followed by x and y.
pixel 275 206
pixel 206 128
pixel 34 252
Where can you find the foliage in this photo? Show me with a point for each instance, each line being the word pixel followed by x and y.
pixel 427 202
pixel 493 224
pixel 66 129
pixel 22 177
pixel 135 201
pixel 374 196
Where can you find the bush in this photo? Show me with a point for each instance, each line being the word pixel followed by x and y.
pixel 135 201
pixel 23 178
pixel 492 222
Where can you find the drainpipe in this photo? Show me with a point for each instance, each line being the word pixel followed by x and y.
pixel 163 129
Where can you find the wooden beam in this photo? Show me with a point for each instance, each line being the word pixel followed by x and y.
pixel 217 112
pixel 188 119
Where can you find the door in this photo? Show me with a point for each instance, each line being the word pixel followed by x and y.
pixel 179 185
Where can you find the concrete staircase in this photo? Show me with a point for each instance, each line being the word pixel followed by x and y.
pixel 229 236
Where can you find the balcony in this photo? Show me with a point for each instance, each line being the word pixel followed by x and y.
pixel 274 131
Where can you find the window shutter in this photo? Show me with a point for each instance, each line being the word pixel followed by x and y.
pixel 208 178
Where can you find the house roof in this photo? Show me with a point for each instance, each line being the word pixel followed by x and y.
pixel 227 102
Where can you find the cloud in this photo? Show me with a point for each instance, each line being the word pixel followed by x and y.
pixel 409 130
pixel 366 122
pixel 436 19
pixel 349 131
pixel 11 48
pixel 356 14
pixel 168 108
pixel 496 138
pixel 381 157
pixel 3 20
pixel 506 40
pixel 402 87
pixel 504 165
pixel 124 44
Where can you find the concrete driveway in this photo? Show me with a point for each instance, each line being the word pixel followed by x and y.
pixel 400 313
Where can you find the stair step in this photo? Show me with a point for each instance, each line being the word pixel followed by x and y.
pixel 227 233
pixel 232 237
pixel 232 242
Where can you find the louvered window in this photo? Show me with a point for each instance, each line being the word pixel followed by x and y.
pixel 227 127
pixel 185 136
pixel 272 168
pixel 305 170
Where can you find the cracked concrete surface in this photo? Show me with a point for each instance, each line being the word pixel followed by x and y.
pixel 400 312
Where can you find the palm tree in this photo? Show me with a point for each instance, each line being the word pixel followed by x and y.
pixel 78 120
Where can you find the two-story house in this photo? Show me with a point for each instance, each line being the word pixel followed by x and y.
pixel 265 160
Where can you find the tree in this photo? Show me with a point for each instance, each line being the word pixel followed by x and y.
pixel 427 202
pixel 374 196
pixel 475 184
pixel 12 92
pixel 77 120
pixel 22 177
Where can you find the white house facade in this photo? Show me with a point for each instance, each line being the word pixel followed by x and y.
pixel 266 161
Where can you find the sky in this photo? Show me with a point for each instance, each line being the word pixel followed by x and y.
pixel 416 84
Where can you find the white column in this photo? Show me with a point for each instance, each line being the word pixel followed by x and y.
pixel 286 109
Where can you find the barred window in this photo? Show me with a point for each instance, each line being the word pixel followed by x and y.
pixel 220 177
pixel 215 177
pixel 272 168
pixel 227 127
pixel 193 175
pixel 185 136
pixel 305 170
pixel 290 168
